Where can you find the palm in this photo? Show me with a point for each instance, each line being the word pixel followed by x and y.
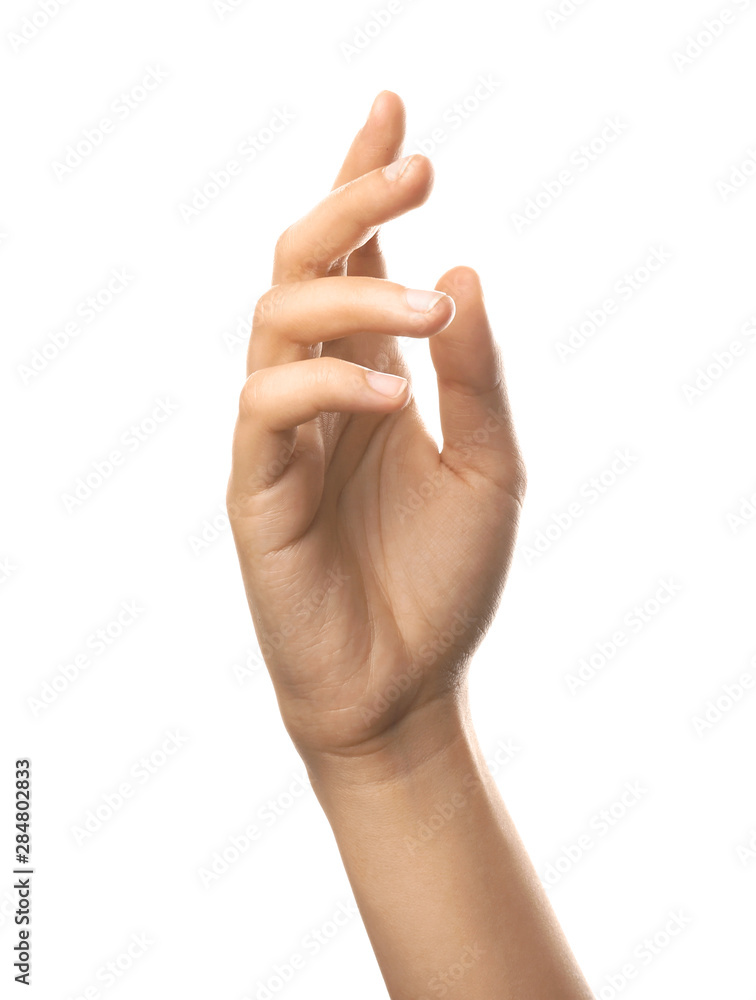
pixel 394 579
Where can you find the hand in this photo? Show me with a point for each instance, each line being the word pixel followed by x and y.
pixel 373 565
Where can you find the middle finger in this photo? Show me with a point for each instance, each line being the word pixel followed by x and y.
pixel 290 320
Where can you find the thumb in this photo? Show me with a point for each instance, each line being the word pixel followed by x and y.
pixel 476 419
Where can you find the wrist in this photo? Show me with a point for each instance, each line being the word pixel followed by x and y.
pixel 425 739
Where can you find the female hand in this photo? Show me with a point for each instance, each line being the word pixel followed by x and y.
pixel 372 564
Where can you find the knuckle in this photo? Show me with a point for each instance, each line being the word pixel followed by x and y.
pixel 322 257
pixel 325 373
pixel 283 244
pixel 328 377
pixel 371 249
pixel 267 308
pixel 249 397
pixel 338 264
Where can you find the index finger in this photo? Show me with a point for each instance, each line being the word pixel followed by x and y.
pixel 377 144
pixel 319 243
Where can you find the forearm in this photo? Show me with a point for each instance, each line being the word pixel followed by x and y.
pixel 447 892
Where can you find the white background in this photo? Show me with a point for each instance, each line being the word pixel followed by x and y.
pixel 154 531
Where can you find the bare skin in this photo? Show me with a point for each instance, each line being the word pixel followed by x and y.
pixel 373 565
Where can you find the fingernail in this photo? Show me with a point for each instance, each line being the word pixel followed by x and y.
pixel 386 385
pixel 395 170
pixel 422 301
